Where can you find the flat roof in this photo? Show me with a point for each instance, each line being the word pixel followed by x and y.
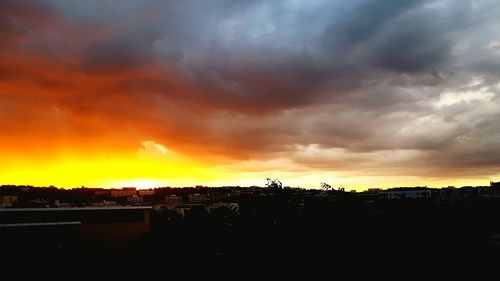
pixel 5 225
pixel 75 209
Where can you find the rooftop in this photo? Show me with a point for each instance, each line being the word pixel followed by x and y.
pixel 75 209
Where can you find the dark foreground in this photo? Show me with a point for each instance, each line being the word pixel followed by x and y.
pixel 275 228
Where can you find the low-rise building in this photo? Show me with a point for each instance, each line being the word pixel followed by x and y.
pixel 146 192
pixel 495 189
pixel 173 200
pixel 406 193
pixel 73 231
pixel 197 198
pixel 7 200
pixel 125 192
pixel 135 200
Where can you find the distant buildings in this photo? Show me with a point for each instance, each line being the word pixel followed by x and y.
pixel 105 203
pixel 495 189
pixel 406 193
pixel 197 198
pixel 173 200
pixel 7 200
pixel 235 207
pixel 125 192
pixel 168 198
pixel 134 200
pixel 145 192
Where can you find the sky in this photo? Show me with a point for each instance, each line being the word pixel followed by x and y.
pixel 356 94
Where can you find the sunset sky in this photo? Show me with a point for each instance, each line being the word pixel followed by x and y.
pixel 179 93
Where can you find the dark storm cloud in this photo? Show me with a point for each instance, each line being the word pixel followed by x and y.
pixel 262 79
pixel 269 55
pixel 117 53
pixel 374 29
pixel 20 19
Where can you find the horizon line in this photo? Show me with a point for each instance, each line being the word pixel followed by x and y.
pixel 361 189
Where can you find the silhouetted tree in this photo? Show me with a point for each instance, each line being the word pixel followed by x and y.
pixel 274 184
pixel 326 186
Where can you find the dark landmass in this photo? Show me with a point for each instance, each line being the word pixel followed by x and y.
pixel 400 225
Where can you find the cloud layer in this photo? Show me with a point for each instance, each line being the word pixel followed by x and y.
pixel 382 88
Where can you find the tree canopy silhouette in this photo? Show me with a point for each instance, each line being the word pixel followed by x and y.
pixel 274 184
pixel 326 186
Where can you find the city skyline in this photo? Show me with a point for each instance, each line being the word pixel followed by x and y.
pixel 155 93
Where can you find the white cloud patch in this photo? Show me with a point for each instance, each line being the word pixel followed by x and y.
pixel 475 90
pixel 449 98
pixel 151 148
pixel 495 45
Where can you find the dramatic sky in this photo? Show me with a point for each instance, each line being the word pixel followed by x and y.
pixel 353 93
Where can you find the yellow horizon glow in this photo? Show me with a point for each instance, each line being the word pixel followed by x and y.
pixel 153 165
pixel 180 171
pixel 149 167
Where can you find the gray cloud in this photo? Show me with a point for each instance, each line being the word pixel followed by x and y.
pixel 117 53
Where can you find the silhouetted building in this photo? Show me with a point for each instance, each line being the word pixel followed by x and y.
pixel 188 210
pixel 495 189
pixel 173 200
pixel 78 231
pixel 7 200
pixel 145 192
pixel 106 203
pixel 125 192
pixel 219 196
pixel 197 198
pixel 235 207
pixel 406 193
pixel 135 200
pixel 449 194
pixel 59 204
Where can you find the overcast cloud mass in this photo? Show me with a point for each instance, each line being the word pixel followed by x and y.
pixel 380 88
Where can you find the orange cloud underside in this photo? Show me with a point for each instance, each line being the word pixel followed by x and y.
pixel 66 127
